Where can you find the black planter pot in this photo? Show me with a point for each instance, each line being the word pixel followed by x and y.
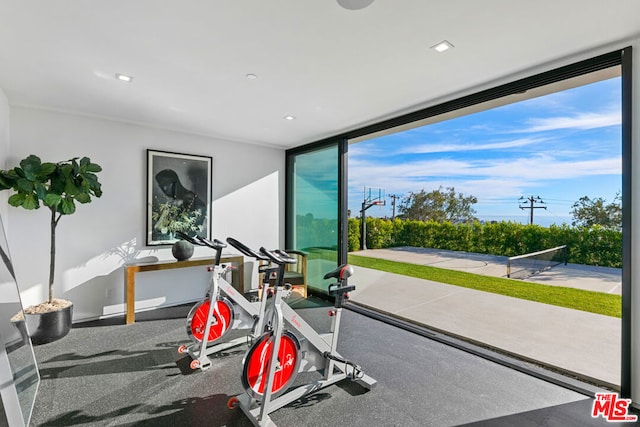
pixel 48 327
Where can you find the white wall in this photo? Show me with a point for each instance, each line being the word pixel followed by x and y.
pixel 94 243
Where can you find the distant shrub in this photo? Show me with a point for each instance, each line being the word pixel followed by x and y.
pixel 590 246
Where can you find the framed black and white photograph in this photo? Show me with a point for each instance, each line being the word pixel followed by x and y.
pixel 179 191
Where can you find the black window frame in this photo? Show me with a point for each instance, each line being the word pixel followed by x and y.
pixel 621 57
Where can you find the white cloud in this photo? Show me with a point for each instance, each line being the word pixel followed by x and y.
pixel 540 166
pixel 482 178
pixel 457 147
pixel 547 168
pixel 579 121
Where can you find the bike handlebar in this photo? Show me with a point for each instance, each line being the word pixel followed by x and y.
pixel 201 241
pixel 186 237
pixel 246 250
pixel 215 244
pixel 278 256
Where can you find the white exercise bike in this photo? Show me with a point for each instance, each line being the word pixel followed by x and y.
pixel 274 360
pixel 224 308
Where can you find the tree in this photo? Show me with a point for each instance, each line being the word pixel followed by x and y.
pixel 438 205
pixel 587 212
pixel 58 186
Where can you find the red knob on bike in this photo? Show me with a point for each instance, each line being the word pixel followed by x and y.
pixel 331 313
pixel 209 269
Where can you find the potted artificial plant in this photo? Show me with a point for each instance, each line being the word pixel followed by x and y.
pixel 58 186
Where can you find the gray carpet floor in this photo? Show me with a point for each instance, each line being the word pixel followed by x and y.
pixel 106 373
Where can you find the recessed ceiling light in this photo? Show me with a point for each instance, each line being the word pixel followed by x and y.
pixel 124 77
pixel 289 118
pixel 442 46
pixel 354 4
pixel 252 76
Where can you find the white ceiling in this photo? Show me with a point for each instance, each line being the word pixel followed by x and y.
pixel 333 69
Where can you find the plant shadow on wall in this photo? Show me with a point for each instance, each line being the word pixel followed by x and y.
pixel 128 252
pixel 59 187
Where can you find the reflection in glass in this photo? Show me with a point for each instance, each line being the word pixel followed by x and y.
pixel 19 376
pixel 314 220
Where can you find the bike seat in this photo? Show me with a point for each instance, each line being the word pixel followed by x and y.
pixel 342 272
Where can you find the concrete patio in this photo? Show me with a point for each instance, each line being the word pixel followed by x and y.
pixel 584 344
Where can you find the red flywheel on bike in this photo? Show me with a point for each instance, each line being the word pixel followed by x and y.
pixel 256 365
pixel 220 324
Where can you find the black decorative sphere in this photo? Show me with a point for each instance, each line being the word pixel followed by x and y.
pixel 182 250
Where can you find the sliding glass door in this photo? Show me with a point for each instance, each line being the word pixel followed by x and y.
pixel 314 208
pixel 316 175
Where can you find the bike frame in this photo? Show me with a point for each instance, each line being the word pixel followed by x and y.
pixel 319 345
pixel 244 314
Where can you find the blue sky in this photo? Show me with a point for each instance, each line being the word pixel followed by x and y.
pixel 558 147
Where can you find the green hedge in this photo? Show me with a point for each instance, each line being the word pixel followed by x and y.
pixel 589 246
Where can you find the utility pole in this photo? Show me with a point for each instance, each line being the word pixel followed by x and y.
pixel 532 200
pixel 393 204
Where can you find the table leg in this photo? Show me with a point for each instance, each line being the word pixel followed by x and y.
pixel 130 284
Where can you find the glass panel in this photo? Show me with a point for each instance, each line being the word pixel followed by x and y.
pixel 18 370
pixel 565 144
pixel 313 226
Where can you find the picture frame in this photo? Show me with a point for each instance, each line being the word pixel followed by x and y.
pixel 179 196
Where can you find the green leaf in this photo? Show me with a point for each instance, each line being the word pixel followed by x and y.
pixel 83 198
pixel 7 179
pixel 17 200
pixel 94 185
pixel 91 178
pixel 70 188
pixel 67 207
pixel 93 167
pixel 31 202
pixel 27 201
pixel 52 199
pixel 47 169
pixel 5 184
pixel 75 165
pixel 66 170
pixel 24 185
pixel 58 183
pixel 31 167
pixel 41 190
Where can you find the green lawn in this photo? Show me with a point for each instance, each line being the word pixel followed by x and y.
pixel 577 299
